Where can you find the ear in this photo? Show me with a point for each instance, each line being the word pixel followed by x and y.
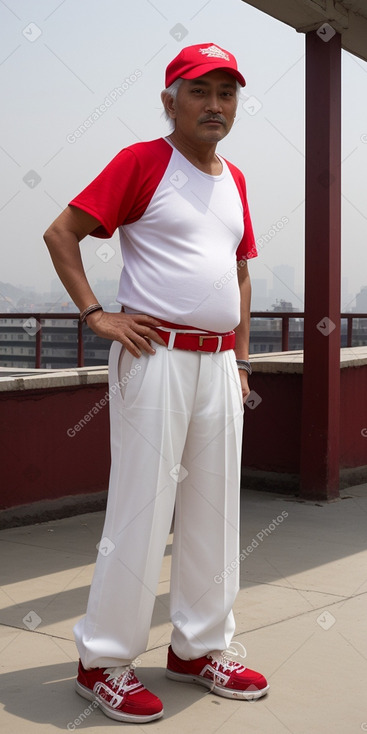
pixel 169 104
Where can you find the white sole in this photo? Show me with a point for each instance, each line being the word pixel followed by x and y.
pixel 109 711
pixel 248 695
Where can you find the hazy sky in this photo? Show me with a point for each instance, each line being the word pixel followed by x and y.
pixel 60 61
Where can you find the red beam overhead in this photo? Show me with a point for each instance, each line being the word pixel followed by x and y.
pixel 347 17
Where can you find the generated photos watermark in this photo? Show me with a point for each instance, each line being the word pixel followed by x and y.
pixel 326 620
pixel 112 97
pixel 32 620
pixel 326 326
pixel 261 241
pixel 73 430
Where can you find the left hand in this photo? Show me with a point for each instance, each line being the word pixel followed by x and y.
pixel 244 384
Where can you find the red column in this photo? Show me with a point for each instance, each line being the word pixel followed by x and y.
pixel 321 376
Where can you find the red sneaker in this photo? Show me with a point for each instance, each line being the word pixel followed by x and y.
pixel 119 694
pixel 224 677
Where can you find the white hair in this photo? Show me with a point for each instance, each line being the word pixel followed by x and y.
pixel 173 89
pixel 172 92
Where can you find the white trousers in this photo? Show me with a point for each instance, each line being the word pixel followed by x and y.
pixel 176 436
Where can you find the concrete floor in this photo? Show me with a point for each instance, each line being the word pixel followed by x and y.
pixel 301 615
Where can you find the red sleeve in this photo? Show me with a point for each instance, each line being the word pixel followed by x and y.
pixel 247 247
pixel 121 193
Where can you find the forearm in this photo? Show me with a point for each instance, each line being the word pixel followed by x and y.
pixel 243 328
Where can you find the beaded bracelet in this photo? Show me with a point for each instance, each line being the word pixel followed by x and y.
pixel 244 364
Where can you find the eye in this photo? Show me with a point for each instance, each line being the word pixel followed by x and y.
pixel 198 91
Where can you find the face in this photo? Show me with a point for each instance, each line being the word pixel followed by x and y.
pixel 205 108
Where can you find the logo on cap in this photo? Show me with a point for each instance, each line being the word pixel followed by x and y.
pixel 214 51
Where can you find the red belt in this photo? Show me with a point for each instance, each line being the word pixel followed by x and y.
pixel 194 340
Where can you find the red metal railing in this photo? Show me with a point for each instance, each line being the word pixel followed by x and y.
pixel 39 317
pixel 285 317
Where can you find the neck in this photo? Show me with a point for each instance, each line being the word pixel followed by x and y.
pixel 202 154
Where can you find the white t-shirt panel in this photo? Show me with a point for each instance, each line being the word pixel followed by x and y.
pixel 186 240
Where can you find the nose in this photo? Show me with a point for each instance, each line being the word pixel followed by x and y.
pixel 213 103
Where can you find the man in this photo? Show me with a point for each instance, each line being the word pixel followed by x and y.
pixel 177 392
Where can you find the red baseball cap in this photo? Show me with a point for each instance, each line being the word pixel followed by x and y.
pixel 194 61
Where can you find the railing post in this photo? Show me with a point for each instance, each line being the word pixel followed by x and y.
pixel 349 330
pixel 80 345
pixel 38 341
pixel 285 333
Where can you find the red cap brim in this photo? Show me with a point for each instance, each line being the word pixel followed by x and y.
pixel 205 68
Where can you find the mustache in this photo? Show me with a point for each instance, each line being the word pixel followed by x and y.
pixel 213 118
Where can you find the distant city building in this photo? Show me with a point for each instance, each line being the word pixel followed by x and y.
pixel 361 300
pixel 284 306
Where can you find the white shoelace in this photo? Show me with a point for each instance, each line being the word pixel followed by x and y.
pixel 220 660
pixel 119 676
